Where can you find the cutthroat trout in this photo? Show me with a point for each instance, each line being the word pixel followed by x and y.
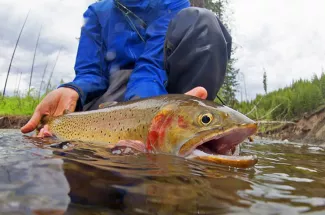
pixel 180 125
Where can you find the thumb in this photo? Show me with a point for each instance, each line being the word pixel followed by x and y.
pixel 32 123
pixel 199 92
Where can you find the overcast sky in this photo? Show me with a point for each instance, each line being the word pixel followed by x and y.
pixel 60 21
pixel 286 38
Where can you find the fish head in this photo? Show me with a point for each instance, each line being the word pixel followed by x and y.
pixel 202 130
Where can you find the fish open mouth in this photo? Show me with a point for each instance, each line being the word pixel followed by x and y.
pixel 222 147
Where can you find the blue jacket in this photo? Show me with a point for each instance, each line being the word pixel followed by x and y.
pixel 108 42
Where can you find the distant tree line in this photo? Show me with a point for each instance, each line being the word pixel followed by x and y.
pixel 289 103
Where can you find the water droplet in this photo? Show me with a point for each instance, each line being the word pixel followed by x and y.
pixel 110 55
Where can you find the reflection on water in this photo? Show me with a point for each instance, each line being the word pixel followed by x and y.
pixel 77 178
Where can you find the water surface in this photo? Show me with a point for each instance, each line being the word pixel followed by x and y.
pixel 78 178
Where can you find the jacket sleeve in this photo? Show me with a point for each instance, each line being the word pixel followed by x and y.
pixel 149 77
pixel 90 80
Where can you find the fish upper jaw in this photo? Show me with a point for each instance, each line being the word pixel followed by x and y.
pixel 221 147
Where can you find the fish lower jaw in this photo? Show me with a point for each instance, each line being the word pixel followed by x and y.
pixel 229 159
pixel 223 148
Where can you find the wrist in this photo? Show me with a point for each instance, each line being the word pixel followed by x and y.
pixel 79 94
pixel 71 92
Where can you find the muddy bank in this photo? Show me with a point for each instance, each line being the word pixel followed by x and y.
pixel 13 122
pixel 309 129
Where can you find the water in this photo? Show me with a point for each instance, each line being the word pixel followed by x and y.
pixel 38 179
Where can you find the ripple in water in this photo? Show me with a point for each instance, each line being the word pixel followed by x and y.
pixel 79 178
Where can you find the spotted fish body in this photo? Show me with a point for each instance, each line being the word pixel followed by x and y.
pixel 174 124
pixel 107 125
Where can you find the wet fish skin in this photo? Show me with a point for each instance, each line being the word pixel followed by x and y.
pixel 107 126
pixel 165 124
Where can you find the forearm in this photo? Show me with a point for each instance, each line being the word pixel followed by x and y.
pixel 149 77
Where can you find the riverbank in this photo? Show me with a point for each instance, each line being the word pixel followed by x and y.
pixel 308 129
pixel 13 122
pixel 15 111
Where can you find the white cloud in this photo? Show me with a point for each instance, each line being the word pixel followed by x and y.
pixel 284 37
pixel 60 20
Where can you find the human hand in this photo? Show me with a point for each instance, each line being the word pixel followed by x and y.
pixel 54 104
pixel 199 92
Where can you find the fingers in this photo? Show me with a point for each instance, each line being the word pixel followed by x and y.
pixel 40 134
pixel 53 104
pixel 199 92
pixel 44 132
pixel 32 123
pixel 47 133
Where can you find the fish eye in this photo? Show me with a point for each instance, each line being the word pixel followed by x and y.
pixel 205 119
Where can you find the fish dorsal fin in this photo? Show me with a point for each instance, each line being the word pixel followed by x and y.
pixel 107 104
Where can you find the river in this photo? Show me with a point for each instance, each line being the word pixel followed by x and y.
pixel 77 178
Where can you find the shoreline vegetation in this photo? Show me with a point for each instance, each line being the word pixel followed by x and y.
pixel 16 110
pixel 295 113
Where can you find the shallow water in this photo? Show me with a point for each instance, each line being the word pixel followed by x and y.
pixel 79 179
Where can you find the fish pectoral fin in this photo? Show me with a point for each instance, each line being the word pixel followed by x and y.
pixel 107 104
pixel 128 147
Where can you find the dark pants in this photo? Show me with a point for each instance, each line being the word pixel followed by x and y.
pixel 196 51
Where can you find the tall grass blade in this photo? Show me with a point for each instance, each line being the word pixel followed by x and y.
pixel 49 81
pixel 13 54
pixel 40 88
pixel 31 72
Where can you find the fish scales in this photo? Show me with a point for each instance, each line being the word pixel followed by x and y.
pixel 108 125
pixel 182 125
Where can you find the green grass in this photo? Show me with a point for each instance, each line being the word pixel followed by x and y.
pixel 16 105
pixel 19 104
pixel 288 103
